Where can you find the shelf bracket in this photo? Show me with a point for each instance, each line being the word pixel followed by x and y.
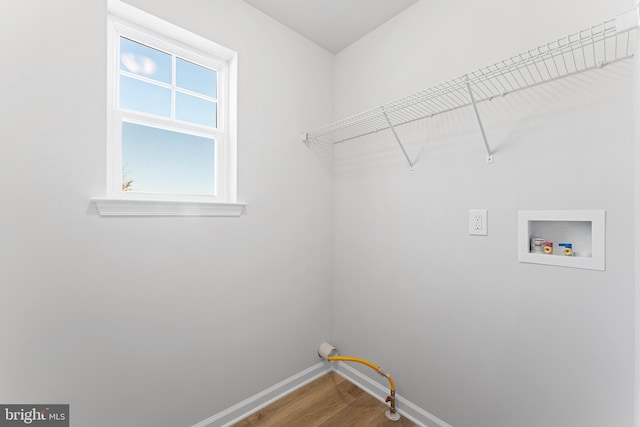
pixel 475 110
pixel 406 156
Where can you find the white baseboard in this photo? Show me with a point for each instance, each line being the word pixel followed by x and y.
pixel 406 408
pixel 237 412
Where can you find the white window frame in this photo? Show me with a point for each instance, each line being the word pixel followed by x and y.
pixel 127 21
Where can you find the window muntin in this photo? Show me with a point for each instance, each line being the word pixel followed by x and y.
pixel 138 95
pixel 164 84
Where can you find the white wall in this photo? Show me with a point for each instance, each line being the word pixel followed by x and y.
pixel 156 321
pixel 164 321
pixel 636 192
pixel 470 334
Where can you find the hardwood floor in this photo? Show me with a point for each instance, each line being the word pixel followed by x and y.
pixel 329 401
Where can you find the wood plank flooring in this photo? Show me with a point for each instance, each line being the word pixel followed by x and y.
pixel 329 401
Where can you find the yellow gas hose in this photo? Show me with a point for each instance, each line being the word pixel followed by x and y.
pixel 369 364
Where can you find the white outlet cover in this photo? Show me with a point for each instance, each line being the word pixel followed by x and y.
pixel 478 222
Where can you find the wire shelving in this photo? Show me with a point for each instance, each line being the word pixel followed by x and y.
pixel 611 41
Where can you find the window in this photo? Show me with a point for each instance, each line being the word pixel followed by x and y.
pixel 171 116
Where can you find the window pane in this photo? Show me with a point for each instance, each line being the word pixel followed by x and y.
pixel 162 161
pixel 144 61
pixel 195 110
pixel 144 97
pixel 196 78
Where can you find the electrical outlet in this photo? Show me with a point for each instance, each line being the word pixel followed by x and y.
pixel 478 222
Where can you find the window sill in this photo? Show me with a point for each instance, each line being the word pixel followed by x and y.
pixel 138 207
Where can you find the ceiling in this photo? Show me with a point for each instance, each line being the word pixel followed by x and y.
pixel 332 24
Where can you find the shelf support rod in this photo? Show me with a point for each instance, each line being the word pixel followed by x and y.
pixel 406 156
pixel 475 110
